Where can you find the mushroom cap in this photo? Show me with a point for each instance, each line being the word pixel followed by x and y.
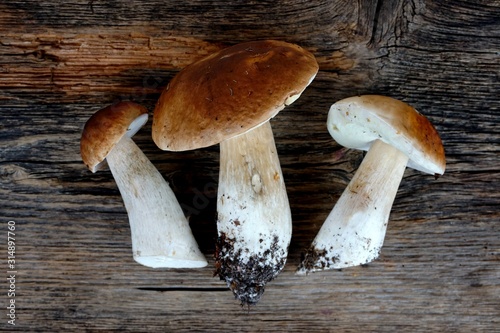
pixel 356 122
pixel 229 93
pixel 106 127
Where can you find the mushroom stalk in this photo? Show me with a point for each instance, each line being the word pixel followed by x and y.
pixel 354 231
pixel 254 219
pixel 161 236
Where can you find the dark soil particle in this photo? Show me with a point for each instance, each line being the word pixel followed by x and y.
pixel 247 274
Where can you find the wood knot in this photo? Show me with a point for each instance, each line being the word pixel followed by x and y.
pixel 13 173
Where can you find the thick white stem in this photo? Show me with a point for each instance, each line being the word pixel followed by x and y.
pixel 354 232
pixel 161 236
pixel 254 219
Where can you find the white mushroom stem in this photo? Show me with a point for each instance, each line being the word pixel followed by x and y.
pixel 254 219
pixel 161 236
pixel 354 231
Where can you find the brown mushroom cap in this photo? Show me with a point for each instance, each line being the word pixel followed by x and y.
pixel 106 127
pixel 356 122
pixel 229 93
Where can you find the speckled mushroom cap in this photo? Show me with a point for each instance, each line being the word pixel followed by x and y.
pixel 229 93
pixel 356 122
pixel 106 127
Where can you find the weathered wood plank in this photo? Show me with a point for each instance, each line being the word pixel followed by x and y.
pixel 61 61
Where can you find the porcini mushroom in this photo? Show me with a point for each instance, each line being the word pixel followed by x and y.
pixel 395 136
pixel 161 236
pixel 228 98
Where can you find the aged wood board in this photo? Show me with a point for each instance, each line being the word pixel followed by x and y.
pixel 60 61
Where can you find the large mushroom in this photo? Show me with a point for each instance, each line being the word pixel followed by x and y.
pixel 229 98
pixel 395 136
pixel 161 236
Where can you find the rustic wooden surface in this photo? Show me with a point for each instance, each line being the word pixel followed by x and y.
pixel 60 61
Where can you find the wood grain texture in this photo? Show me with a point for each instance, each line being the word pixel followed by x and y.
pixel 61 61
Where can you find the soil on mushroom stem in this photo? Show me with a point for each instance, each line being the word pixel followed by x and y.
pixel 246 275
pixel 315 259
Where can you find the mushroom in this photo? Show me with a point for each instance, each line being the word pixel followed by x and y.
pixel 395 136
pixel 161 236
pixel 229 98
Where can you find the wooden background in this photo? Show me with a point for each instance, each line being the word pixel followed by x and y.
pixel 60 61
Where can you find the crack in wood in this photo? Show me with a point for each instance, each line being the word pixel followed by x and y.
pixel 187 289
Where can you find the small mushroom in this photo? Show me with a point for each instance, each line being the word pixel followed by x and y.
pixel 395 136
pixel 228 98
pixel 161 236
